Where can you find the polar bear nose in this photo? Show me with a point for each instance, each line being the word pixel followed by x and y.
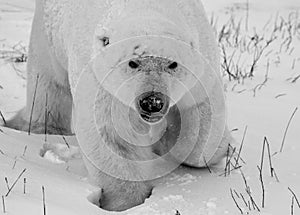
pixel 152 106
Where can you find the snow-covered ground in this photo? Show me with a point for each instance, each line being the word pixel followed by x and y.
pixel 265 111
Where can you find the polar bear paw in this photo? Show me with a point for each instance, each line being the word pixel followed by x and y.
pixel 37 127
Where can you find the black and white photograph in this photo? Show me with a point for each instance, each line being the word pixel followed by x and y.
pixel 149 107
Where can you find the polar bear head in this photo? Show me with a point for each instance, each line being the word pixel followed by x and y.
pixel 146 57
pixel 148 84
pixel 151 73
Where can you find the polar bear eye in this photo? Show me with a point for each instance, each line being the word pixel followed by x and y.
pixel 173 65
pixel 105 41
pixel 134 65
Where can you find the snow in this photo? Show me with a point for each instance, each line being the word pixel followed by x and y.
pixel 190 191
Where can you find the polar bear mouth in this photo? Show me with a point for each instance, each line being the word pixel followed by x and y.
pixel 152 106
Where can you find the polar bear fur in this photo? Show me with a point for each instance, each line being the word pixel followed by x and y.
pixel 67 34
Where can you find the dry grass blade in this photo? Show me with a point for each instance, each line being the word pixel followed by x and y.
pixel 3 205
pixel 294 195
pixel 287 128
pixel 2 117
pixel 24 185
pixel 44 200
pixel 244 179
pixel 295 79
pixel 244 200
pixel 280 95
pixel 292 205
pixel 236 193
pixel 236 203
pixel 24 152
pixel 231 170
pixel 277 179
pixel 15 162
pixel 262 156
pixel 33 102
pixel 12 186
pixel 248 191
pixel 228 164
pixel 207 166
pixel 46 117
pixel 7 184
pixel 228 161
pixel 241 147
pixel 269 155
pixel 262 186
pixel 16 53
pixel 254 205
pixel 59 129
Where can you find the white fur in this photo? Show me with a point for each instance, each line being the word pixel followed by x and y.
pixel 66 36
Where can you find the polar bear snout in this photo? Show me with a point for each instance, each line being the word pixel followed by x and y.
pixel 152 106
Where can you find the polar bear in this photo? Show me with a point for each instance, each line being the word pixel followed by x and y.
pixel 137 81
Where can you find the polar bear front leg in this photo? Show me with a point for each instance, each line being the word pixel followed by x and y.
pixel 213 140
pixel 47 85
pixel 118 194
pixel 122 195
